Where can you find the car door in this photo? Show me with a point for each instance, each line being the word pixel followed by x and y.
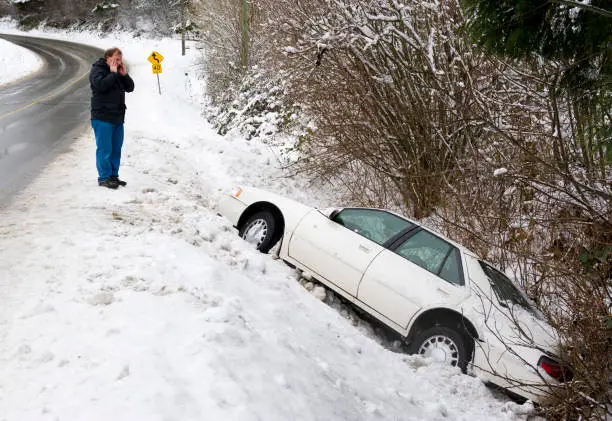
pixel 420 270
pixel 341 247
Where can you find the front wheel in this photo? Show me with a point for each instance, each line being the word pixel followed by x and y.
pixel 260 230
pixel 442 344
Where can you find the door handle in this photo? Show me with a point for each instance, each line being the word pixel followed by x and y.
pixel 442 291
pixel 364 248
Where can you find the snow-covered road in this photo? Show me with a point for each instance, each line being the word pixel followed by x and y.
pixel 143 304
pixel 42 113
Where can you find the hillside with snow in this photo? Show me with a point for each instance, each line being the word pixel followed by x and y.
pixel 143 303
pixel 16 62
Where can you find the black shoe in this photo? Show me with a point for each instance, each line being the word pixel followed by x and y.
pixel 116 180
pixel 111 184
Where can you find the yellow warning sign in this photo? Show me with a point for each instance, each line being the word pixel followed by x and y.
pixel 157 68
pixel 155 58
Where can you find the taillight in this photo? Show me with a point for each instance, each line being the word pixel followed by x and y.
pixel 554 369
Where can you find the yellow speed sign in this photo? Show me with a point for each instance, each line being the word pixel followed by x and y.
pixel 157 68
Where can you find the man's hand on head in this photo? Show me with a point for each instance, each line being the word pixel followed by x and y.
pixel 122 70
pixel 113 65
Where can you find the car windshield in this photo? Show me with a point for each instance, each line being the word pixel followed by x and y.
pixel 377 225
pixel 505 289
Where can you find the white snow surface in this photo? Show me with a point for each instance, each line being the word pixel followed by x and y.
pixel 16 62
pixel 143 304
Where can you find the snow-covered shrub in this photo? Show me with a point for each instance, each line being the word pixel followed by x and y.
pixel 104 7
pixel 251 101
pixel 256 109
pixel 384 84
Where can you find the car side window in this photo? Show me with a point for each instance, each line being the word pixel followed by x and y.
pixel 376 225
pixel 451 270
pixel 433 254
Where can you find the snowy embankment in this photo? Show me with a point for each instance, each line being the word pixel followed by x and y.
pixel 143 304
pixel 16 62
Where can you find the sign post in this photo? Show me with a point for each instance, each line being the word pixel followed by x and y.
pixel 155 59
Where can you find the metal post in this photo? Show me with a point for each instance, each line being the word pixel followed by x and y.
pixel 245 35
pixel 183 24
pixel 158 84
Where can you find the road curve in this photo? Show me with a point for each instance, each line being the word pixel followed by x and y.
pixel 42 114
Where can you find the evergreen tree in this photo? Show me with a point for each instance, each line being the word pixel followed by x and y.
pixel 577 34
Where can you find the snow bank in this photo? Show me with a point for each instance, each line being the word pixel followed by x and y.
pixel 143 304
pixel 16 62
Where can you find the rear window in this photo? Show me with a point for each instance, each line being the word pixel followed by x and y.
pixel 433 254
pixel 505 290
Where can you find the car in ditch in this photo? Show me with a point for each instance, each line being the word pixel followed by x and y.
pixel 443 300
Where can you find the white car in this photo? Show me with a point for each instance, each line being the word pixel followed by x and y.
pixel 442 299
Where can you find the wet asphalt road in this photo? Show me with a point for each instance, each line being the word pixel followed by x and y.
pixel 41 115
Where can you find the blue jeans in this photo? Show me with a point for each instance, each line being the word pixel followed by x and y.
pixel 109 141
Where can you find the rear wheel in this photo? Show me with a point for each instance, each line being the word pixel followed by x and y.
pixel 442 344
pixel 260 230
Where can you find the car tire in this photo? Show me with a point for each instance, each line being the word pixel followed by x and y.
pixel 260 230
pixel 442 344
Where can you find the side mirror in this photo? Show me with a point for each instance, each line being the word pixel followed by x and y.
pixel 334 213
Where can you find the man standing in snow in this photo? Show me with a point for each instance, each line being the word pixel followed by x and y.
pixel 109 82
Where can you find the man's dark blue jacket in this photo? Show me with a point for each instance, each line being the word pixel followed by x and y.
pixel 108 93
